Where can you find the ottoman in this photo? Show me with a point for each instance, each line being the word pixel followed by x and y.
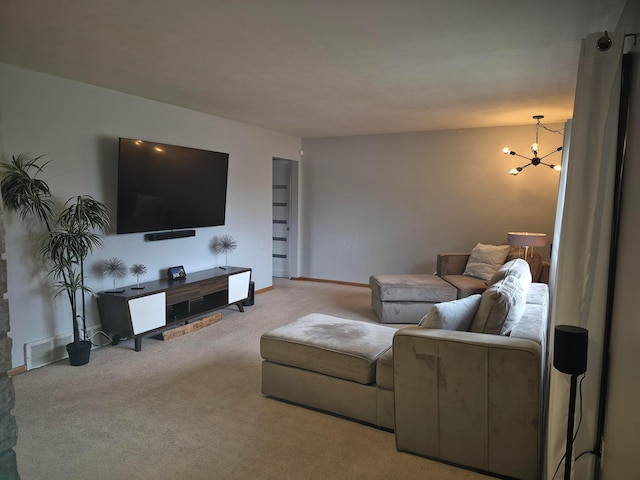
pixel 406 298
pixel 329 363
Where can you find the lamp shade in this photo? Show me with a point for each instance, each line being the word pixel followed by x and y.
pixel 527 239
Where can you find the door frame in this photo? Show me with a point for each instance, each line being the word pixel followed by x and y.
pixel 293 233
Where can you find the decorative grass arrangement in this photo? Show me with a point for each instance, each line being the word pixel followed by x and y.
pixel 138 269
pixel 224 244
pixel 114 268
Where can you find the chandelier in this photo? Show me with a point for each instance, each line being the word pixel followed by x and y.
pixel 535 160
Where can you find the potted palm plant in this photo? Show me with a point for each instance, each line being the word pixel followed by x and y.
pixel 70 236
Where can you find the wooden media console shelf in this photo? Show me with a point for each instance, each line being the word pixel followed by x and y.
pixel 136 311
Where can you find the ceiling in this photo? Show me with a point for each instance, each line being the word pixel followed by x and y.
pixel 316 68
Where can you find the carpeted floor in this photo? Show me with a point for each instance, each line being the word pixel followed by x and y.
pixel 191 408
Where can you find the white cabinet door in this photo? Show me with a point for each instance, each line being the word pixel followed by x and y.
pixel 239 286
pixel 148 312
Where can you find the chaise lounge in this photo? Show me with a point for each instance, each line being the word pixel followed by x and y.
pixel 464 387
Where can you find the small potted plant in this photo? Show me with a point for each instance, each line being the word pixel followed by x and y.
pixel 70 236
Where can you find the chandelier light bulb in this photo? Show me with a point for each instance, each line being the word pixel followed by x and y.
pixel 506 150
pixel 557 168
pixel 534 148
pixel 515 171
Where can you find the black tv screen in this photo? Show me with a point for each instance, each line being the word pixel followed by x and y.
pixel 168 187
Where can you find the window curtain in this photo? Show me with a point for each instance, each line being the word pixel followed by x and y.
pixel 582 241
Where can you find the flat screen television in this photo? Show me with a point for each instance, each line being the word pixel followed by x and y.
pixel 168 187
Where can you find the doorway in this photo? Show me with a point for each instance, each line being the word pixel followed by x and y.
pixel 285 217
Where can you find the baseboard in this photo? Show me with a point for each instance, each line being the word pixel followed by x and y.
pixel 263 290
pixel 337 282
pixel 16 371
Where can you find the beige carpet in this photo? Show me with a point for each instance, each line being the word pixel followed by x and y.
pixel 191 408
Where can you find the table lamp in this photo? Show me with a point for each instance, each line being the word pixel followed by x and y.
pixel 527 240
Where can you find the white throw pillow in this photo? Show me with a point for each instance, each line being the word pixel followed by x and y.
pixel 485 260
pixel 518 268
pixel 501 307
pixel 454 315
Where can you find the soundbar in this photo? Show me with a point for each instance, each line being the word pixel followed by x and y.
pixel 152 237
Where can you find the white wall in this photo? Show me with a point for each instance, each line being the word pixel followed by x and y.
pixel 78 126
pixel 391 203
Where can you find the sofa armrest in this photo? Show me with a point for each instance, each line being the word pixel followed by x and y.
pixel 470 399
pixel 451 263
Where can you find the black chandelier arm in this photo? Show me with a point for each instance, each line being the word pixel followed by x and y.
pixel 518 155
pixel 552 152
pixel 547 164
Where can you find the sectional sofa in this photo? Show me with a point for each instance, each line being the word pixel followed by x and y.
pixel 406 298
pixel 465 386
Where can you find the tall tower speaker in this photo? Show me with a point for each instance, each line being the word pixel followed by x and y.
pixel 570 349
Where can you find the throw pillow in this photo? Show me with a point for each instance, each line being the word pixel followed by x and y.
pixel 517 268
pixel 484 260
pixel 454 315
pixel 501 307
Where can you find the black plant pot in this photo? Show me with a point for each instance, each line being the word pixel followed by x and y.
pixel 79 353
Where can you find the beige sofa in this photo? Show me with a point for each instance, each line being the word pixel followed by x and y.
pixel 451 266
pixel 448 388
pixel 406 298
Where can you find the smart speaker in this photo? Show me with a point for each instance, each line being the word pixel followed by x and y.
pixel 570 356
pixel 570 349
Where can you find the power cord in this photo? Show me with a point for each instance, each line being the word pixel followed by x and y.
pixel 561 131
pixel 97 344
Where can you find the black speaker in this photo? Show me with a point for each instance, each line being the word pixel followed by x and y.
pixel 252 293
pixel 155 236
pixel 570 349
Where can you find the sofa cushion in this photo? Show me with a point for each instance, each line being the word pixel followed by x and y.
pixel 408 287
pixel 346 349
pixel 518 268
pixel 484 260
pixel 455 315
pixel 466 285
pixel 538 294
pixel 501 306
pixel 532 324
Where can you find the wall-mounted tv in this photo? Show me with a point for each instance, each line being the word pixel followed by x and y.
pixel 168 187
